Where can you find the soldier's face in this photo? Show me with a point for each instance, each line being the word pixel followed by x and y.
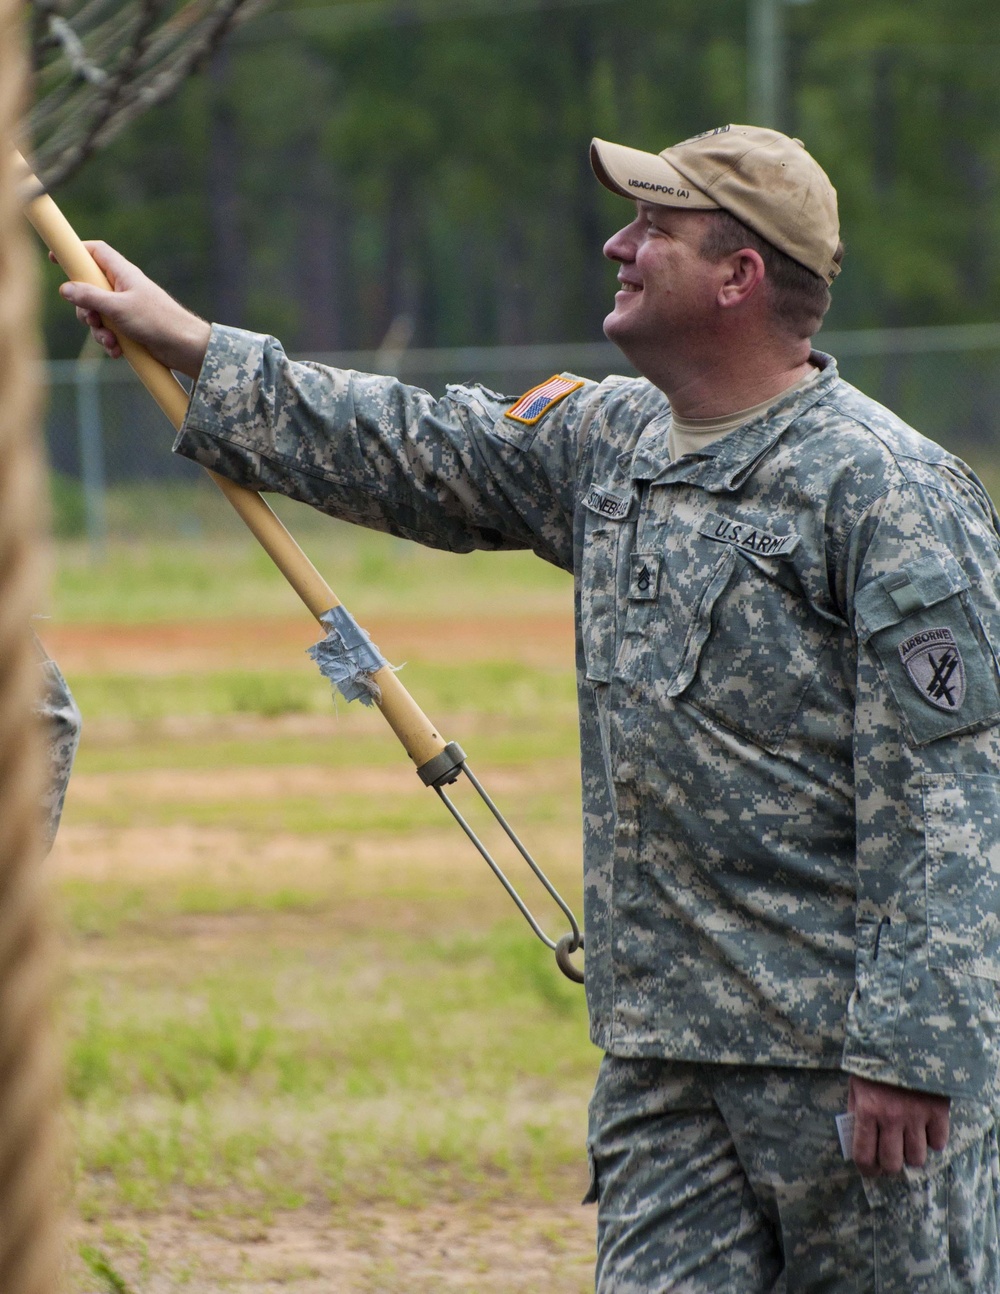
pixel 667 288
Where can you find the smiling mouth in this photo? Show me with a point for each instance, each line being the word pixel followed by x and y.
pixel 629 287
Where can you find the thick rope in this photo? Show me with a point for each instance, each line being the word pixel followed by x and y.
pixel 29 1161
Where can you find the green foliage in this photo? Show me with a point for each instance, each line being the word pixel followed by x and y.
pixel 223 573
pixel 101 1267
pixel 514 693
pixel 283 1076
pixel 336 169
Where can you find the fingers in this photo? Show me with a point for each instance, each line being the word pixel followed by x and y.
pixel 915 1144
pixel 88 299
pixel 91 305
pixel 119 272
pixel 894 1126
pixel 864 1148
pixel 137 308
pixel 104 336
pixel 938 1127
pixel 890 1149
pixel 97 307
pixel 878 1145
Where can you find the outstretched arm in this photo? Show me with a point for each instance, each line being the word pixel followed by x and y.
pixel 140 309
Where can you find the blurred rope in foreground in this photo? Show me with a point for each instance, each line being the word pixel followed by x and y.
pixel 30 1184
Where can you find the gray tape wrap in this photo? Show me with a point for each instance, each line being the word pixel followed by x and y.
pixel 348 657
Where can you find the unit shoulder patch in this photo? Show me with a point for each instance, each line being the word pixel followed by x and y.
pixel 535 404
pixel 935 667
pixel 939 667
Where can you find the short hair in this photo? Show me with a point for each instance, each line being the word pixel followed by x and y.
pixel 799 298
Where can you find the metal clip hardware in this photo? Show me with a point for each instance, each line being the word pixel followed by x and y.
pixel 446 768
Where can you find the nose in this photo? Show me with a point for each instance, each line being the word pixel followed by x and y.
pixel 621 246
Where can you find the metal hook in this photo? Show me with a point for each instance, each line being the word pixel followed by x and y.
pixel 445 769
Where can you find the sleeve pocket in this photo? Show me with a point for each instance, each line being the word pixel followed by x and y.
pixel 932 651
pixel 874 1004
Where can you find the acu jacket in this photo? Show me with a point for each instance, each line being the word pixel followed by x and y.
pixel 788 689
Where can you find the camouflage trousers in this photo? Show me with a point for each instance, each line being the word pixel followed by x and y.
pixel 729 1179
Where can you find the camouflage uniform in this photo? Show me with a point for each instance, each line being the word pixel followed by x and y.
pixel 700 1167
pixel 61 723
pixel 788 693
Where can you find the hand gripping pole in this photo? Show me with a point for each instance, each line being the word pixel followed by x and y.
pixel 438 763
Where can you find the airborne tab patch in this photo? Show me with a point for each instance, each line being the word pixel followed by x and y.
pixel 935 667
pixel 534 404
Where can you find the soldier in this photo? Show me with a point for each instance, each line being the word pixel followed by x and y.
pixel 787 610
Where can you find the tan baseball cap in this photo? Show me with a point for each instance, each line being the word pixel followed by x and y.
pixel 762 177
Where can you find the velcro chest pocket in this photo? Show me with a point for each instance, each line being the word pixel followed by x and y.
pixel 752 647
pixel 932 651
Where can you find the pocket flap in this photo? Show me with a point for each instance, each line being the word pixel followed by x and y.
pixel 921 627
pixel 891 598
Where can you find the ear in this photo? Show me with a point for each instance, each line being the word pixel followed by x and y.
pixel 745 275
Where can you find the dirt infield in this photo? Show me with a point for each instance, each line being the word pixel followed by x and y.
pixel 274 643
pixel 434 1250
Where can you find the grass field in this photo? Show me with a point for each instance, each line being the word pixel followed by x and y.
pixel 310 1044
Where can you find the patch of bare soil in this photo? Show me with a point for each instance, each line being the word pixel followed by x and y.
pixel 438 1249
pixel 258 783
pixel 429 883
pixel 277 643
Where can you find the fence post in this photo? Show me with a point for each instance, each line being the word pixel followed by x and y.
pixel 90 434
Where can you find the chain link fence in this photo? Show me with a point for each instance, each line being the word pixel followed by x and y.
pixel 114 478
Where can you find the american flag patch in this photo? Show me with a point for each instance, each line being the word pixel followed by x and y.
pixel 540 399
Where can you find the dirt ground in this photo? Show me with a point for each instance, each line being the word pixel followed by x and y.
pixel 437 1250
pixel 274 643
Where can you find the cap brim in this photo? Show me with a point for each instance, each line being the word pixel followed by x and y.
pixel 646 177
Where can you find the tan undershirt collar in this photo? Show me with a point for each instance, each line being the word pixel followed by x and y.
pixel 689 435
